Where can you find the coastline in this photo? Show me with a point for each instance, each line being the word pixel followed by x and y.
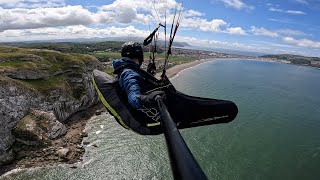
pixel 175 70
pixel 39 156
pixel 78 128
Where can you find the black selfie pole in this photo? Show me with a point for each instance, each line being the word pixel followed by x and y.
pixel 183 164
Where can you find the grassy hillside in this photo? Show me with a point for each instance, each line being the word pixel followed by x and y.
pixel 70 47
pixel 61 56
pixel 159 56
pixel 104 51
pixel 294 59
pixel 54 69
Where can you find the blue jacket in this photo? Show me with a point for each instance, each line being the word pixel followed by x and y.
pixel 130 81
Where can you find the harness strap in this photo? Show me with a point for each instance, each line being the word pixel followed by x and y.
pixel 147 76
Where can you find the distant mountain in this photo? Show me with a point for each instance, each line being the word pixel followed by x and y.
pixel 180 44
pixel 73 47
pixel 97 40
pixel 227 51
pixel 174 44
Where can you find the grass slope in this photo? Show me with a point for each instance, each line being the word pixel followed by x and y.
pixel 59 67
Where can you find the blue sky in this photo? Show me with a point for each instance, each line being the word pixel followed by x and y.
pixel 268 26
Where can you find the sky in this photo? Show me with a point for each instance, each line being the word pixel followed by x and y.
pixel 266 26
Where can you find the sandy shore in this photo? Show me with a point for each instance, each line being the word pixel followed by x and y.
pixel 171 72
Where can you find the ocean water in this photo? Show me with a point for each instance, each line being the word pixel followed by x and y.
pixel 276 134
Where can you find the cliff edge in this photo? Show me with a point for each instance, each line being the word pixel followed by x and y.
pixel 39 91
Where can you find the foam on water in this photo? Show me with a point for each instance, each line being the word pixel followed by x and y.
pixel 275 136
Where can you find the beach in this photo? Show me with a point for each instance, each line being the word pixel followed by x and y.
pixel 173 71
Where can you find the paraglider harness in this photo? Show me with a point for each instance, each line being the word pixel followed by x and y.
pixel 183 111
pixel 145 121
pixel 147 117
pixel 180 111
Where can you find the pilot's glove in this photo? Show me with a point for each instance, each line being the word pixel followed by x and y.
pixel 150 99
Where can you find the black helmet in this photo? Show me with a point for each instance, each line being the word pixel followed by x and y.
pixel 132 50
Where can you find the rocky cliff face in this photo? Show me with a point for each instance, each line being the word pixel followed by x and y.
pixel 26 90
pixel 66 106
pixel 15 102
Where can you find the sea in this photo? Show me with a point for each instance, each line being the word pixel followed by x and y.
pixel 276 134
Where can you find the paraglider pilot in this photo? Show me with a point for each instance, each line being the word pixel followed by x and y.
pixel 131 83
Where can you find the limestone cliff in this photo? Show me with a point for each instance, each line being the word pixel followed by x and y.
pixel 53 83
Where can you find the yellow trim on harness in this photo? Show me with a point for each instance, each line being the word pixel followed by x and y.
pixel 153 124
pixel 103 100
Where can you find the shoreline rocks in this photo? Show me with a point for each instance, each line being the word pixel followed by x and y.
pixel 18 101
pixel 65 149
pixel 47 92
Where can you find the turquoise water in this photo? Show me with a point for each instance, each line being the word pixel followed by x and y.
pixel 275 136
pixel 277 132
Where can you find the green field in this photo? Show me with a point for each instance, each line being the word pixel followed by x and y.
pixel 108 56
pixel 111 55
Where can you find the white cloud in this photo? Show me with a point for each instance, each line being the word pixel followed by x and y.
pixel 260 47
pixel 218 44
pixel 239 46
pixel 119 12
pixel 66 16
pixel 71 32
pixel 31 3
pixel 263 32
pixel 158 5
pixel 236 30
pixel 192 13
pixel 276 33
pixel 44 17
pixel 214 25
pixel 290 32
pixel 237 4
pixel 9 1
pixel 302 42
pixel 287 21
pixel 265 48
pixel 275 9
pixel 294 12
pixel 122 14
pixel 155 8
pixel 267 43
